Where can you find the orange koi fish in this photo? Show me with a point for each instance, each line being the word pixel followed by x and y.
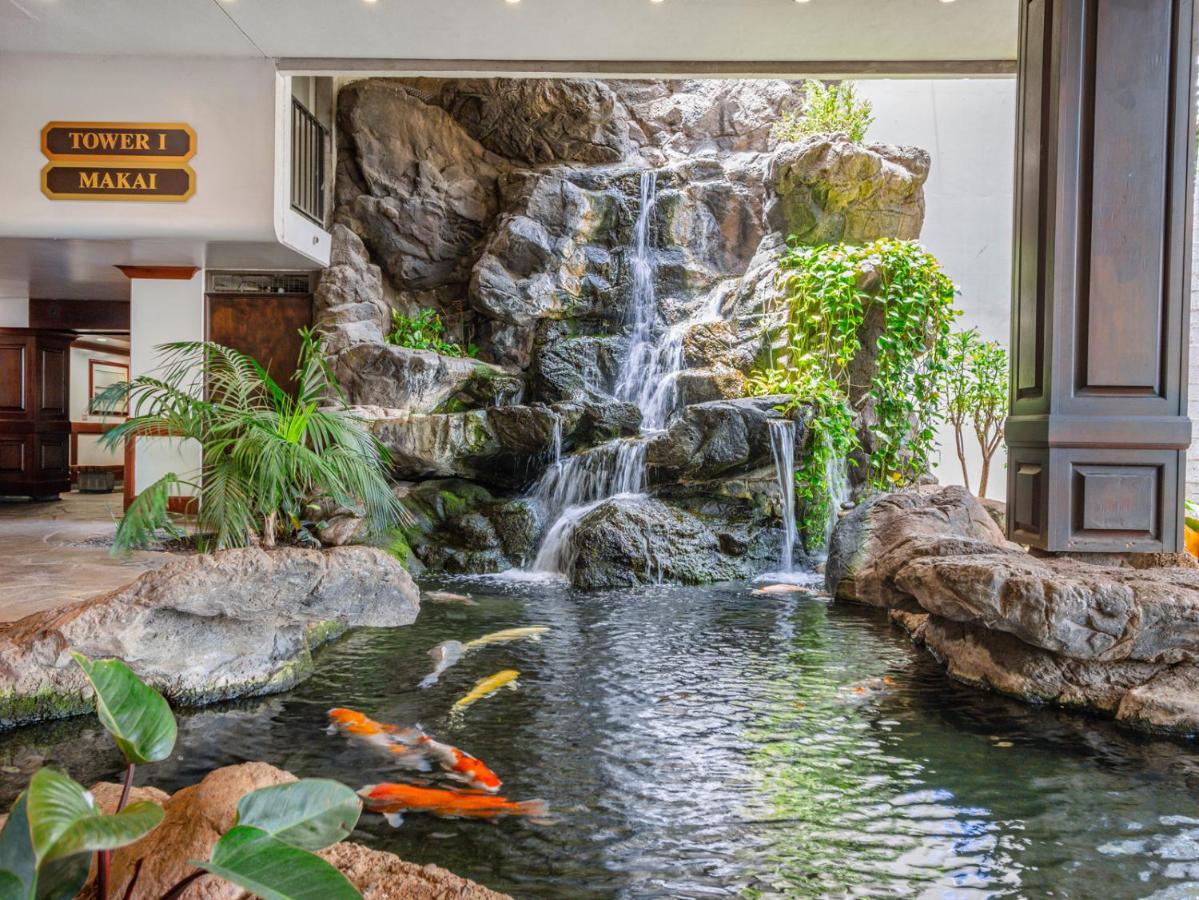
pixel 393 800
pixel 461 766
pixel 399 741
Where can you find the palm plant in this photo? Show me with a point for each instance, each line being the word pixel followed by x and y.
pixel 267 455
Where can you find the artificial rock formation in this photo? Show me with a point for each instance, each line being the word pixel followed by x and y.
pixel 204 628
pixel 196 816
pixel 512 207
pixel 1117 638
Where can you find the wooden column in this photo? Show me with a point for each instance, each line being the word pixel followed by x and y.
pixel 1098 431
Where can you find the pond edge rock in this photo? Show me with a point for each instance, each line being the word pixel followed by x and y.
pixel 204 628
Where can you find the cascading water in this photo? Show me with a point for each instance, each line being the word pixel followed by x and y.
pixel 782 445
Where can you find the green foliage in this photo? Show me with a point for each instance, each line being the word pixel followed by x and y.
pixel 54 828
pixel 424 331
pixel 267 455
pixel 827 294
pixel 272 869
pixel 827 109
pixel 974 390
pixel 137 716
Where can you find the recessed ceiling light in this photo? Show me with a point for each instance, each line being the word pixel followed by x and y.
pixel 102 340
pixel 514 1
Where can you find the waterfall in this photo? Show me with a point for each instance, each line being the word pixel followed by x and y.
pixel 782 445
pixel 557 441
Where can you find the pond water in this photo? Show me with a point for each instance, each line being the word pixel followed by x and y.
pixel 706 742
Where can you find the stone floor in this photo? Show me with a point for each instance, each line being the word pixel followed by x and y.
pixel 57 552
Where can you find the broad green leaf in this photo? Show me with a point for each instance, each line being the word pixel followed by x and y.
pixel 18 868
pixel 135 714
pixel 273 870
pixel 63 879
pixel 311 814
pixel 64 820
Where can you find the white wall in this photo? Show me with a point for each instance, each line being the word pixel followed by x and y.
pixel 162 311
pixel 968 128
pixel 229 102
pixel 14 312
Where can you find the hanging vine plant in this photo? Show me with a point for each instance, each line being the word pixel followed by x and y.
pixel 830 299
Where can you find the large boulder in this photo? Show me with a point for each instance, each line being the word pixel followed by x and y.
pixel 421 381
pixel 632 539
pixel 717 438
pixel 196 816
pixel 1114 635
pixel 877 538
pixel 575 367
pixel 413 184
pixel 204 628
pixel 537 120
pixel 829 189
pixel 500 446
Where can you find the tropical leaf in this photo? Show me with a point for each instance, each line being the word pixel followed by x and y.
pixel 274 870
pixel 311 814
pixel 64 820
pixel 18 866
pixel 136 715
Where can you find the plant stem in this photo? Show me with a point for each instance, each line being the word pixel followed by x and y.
pixel 137 870
pixel 126 787
pixel 102 874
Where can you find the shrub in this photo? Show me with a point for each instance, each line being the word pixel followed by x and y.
pixel 268 456
pixel 424 331
pixel 827 109
pixel 824 305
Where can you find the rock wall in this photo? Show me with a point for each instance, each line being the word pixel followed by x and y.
pixel 1120 638
pixel 510 206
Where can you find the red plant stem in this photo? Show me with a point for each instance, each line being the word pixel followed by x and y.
pixel 137 870
pixel 102 874
pixel 126 788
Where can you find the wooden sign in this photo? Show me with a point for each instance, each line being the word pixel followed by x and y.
pixel 118 161
pixel 81 141
pixel 85 181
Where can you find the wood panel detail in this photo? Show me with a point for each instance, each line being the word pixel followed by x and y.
pixel 35 431
pixel 14 396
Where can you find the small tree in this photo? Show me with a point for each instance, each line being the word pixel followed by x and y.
pixel 827 109
pixel 975 391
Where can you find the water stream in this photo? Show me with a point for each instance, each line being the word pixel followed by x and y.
pixel 782 446
pixel 706 742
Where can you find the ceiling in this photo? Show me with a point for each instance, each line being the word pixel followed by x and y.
pixel 546 30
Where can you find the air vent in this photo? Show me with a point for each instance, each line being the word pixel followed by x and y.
pixel 259 282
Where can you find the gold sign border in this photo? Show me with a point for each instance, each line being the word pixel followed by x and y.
pixel 125 198
pixel 140 126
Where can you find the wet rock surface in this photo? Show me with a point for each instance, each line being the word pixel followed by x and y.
pixel 1112 637
pixel 204 628
pixel 196 816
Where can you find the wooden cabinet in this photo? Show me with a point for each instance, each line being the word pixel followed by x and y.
pixel 35 425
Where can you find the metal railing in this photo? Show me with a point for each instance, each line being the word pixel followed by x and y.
pixel 309 139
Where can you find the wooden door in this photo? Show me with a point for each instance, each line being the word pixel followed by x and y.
pixel 264 326
pixel 35 426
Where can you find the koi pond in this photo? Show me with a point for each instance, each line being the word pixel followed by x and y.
pixel 707 742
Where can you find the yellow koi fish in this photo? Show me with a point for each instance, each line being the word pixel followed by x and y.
pixel 486 687
pixel 533 632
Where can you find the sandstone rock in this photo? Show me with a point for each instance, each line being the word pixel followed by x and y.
pixel 832 190
pixel 717 438
pixel 413 184
pixel 878 537
pixel 627 540
pixel 203 628
pixel 196 816
pixel 537 120
pixel 420 381
pixel 1169 701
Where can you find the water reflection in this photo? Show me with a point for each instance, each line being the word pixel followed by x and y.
pixel 709 743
